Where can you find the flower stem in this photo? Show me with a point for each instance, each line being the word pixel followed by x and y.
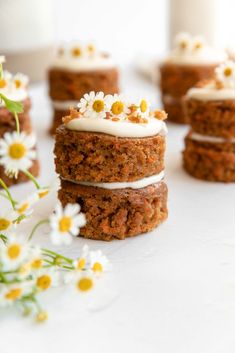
pixel 31 177
pixel 12 201
pixel 1 72
pixel 50 252
pixel 43 221
pixel 3 238
pixel 17 122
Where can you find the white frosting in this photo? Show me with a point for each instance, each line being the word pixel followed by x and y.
pixel 210 93
pixel 17 95
pixel 121 128
pixel 64 105
pixel 203 56
pixel 97 62
pixel 211 139
pixel 138 184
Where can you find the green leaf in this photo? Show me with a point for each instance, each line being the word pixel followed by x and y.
pixel 12 106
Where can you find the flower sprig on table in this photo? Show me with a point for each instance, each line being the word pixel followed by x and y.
pixel 27 270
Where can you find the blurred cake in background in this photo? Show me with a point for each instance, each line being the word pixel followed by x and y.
pixel 76 70
pixel 15 88
pixel 210 145
pixel 190 61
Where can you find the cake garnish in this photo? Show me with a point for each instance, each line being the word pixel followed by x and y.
pixel 78 51
pixel 225 74
pixel 11 84
pixel 187 44
pixel 113 107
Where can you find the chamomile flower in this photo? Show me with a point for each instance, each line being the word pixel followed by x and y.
pixel 84 280
pixel 5 81
pixel 20 81
pixel 6 221
pixel 13 254
pixel 42 192
pixel 94 105
pixel 10 293
pixel 16 152
pixel 81 262
pixel 98 262
pixel 35 259
pixel 24 208
pixel 226 73
pixel 198 42
pixel 66 223
pixel 2 59
pixel 118 106
pixel 143 108
pixel 46 278
pixel 183 42
pixel 76 51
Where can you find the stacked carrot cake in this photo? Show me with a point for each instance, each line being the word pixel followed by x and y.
pixel 77 69
pixel 14 87
pixel 110 158
pixel 210 145
pixel 190 61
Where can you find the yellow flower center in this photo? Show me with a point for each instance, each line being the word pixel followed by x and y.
pixel 13 294
pixel 3 83
pixel 81 264
pixel 98 105
pixel 65 224
pixel 18 83
pixel 14 251
pixel 143 106
pixel 44 282
pixel 91 48
pixel 183 45
pixel 227 71
pixel 43 193
pixel 42 316
pixel 23 208
pixel 97 267
pixel 4 224
pixel 36 264
pixel 117 108
pixel 85 284
pixel 197 45
pixel 17 150
pixel 76 52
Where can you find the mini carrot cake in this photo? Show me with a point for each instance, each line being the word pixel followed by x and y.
pixel 14 87
pixel 110 158
pixel 190 61
pixel 76 70
pixel 210 145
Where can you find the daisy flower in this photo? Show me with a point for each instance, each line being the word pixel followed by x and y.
pixel 143 108
pixel 10 293
pixel 24 208
pixel 35 259
pixel 118 106
pixel 5 81
pixel 42 192
pixel 98 262
pixel 198 43
pixel 81 262
pixel 66 223
pixel 46 278
pixel 2 59
pixel 76 51
pixel 183 41
pixel 94 105
pixel 226 73
pixel 13 253
pixel 16 152
pixel 20 81
pixel 6 221
pixel 84 281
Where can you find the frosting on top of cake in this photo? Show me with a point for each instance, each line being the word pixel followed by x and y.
pixel 221 87
pixel 14 87
pixel 114 115
pixel 190 50
pixel 82 57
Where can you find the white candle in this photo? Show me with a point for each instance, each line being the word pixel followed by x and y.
pixel 27 35
pixel 196 17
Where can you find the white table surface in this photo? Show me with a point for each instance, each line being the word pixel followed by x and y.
pixel 172 290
